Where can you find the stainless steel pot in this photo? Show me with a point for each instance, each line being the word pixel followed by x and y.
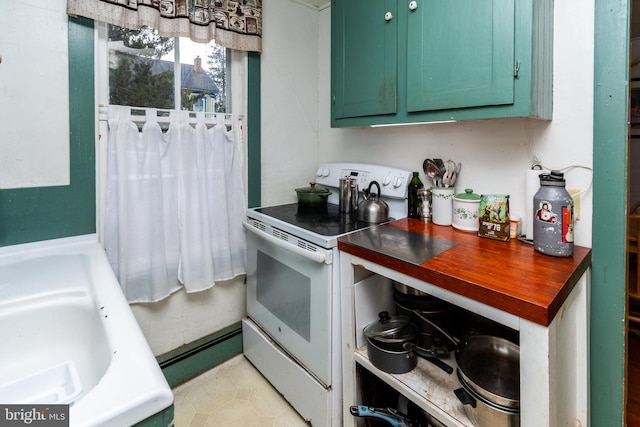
pixel 429 337
pixel 489 365
pixel 408 290
pixel 372 209
pixel 484 413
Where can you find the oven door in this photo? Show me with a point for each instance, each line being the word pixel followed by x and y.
pixel 289 295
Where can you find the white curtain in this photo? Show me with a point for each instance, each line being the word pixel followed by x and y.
pixel 174 204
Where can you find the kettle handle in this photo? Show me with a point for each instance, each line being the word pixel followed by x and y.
pixel 369 189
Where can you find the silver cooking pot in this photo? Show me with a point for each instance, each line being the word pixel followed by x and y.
pixel 489 371
pixel 484 413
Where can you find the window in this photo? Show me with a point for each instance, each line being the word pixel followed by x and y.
pixel 147 70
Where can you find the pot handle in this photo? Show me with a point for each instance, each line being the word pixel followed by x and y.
pixel 464 397
pixel 371 412
pixel 428 356
pixel 449 336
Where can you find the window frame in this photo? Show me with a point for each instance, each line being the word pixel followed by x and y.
pixel 237 63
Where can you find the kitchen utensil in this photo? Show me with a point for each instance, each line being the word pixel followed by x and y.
pixel 451 166
pixel 391 345
pixel 313 196
pixel 389 415
pixel 432 171
pixel 372 209
pixel 450 174
pixel 442 205
pixel 348 195
pixel 466 211
pixel 442 170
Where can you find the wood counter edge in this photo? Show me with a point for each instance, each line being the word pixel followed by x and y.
pixel 539 314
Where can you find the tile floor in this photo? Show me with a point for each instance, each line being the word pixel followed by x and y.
pixel 233 394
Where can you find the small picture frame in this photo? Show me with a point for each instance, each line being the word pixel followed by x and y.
pixel 494 217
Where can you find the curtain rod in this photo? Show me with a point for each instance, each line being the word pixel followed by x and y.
pixel 103 114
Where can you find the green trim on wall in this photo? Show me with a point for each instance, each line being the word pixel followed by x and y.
pixel 253 130
pixel 34 214
pixel 608 298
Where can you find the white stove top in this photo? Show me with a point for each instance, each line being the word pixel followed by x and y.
pixel 323 226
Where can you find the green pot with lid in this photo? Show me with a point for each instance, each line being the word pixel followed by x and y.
pixel 466 208
pixel 313 196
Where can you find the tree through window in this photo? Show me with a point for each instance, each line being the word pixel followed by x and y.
pixel 142 72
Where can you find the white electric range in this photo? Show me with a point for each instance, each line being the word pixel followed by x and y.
pixel 292 330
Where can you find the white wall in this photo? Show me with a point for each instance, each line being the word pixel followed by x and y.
pixel 183 318
pixel 289 92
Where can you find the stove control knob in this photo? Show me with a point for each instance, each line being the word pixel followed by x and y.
pixel 398 182
pixel 322 172
pixel 386 180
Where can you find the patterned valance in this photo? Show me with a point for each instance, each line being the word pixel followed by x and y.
pixel 232 24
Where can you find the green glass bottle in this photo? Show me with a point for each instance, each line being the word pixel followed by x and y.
pixel 415 202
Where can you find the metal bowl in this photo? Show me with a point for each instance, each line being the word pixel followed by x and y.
pixel 408 290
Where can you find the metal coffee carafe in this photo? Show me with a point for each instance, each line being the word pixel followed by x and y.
pixel 348 191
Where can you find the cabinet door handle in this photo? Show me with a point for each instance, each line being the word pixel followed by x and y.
pixel 388 16
pixel 413 5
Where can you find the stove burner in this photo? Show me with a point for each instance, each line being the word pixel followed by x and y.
pixel 326 221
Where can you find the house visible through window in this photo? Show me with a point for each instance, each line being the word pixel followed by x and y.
pixel 143 72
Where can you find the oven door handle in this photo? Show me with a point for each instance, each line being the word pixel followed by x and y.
pixel 318 257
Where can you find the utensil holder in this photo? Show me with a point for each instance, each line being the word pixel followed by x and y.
pixel 442 205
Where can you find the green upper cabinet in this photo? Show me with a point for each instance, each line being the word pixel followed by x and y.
pixel 462 54
pixel 367 33
pixel 440 60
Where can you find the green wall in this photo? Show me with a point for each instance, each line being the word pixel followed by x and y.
pixel 609 219
pixel 33 214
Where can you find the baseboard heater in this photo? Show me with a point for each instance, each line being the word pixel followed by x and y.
pixel 192 359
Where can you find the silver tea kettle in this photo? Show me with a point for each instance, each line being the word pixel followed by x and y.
pixel 372 209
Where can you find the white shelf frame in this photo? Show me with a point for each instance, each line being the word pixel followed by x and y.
pixel 554 365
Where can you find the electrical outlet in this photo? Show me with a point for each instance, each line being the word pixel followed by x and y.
pixel 575 194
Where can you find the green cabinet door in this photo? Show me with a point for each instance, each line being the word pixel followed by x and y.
pixel 364 60
pixel 460 53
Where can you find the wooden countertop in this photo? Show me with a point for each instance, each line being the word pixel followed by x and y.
pixel 509 276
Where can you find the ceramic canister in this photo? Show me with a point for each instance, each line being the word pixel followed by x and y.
pixel 465 210
pixel 442 205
